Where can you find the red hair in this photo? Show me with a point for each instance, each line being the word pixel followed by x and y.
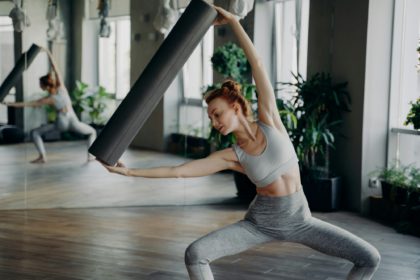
pixel 231 92
pixel 49 81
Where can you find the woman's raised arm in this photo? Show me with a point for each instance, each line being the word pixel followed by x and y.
pixel 58 76
pixel 267 108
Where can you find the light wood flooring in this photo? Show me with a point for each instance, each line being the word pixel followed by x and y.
pixel 149 243
pixel 90 232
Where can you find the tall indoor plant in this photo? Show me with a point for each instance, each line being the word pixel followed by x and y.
pixel 318 104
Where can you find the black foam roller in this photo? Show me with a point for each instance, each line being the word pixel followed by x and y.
pixel 21 65
pixel 149 88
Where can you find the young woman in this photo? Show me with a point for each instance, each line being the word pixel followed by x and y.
pixel 59 98
pixel 265 153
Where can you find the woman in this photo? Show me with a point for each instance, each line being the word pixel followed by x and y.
pixel 265 153
pixel 59 98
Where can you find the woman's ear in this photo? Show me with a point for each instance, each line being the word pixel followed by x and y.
pixel 236 107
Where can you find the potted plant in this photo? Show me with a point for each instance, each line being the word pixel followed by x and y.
pixel 96 104
pixel 414 187
pixel 413 116
pixel 78 96
pixel 191 144
pixel 91 103
pixel 394 183
pixel 318 104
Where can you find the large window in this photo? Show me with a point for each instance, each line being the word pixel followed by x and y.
pixel 114 58
pixel 404 144
pixel 291 39
pixel 6 60
pixel 197 74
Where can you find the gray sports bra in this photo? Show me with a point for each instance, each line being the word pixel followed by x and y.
pixel 278 156
pixel 62 99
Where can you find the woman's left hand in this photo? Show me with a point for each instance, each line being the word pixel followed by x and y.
pixel 223 16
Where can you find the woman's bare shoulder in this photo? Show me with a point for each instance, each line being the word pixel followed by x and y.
pixel 226 154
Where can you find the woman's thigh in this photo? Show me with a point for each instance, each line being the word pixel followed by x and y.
pixel 226 241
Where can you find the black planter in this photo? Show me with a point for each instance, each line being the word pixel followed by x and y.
pixel 97 127
pixel 386 190
pixel 189 146
pixel 246 189
pixel 400 195
pixel 414 198
pixel 323 194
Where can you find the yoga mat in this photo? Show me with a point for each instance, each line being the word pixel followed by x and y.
pixel 149 88
pixel 21 65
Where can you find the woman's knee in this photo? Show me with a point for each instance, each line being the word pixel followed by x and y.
pixel 194 254
pixel 34 133
pixel 372 258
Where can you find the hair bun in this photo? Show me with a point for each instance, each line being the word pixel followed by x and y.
pixel 230 85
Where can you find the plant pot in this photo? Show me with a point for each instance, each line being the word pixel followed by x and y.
pixel 97 127
pixel 386 190
pixel 189 146
pixel 323 194
pixel 246 190
pixel 400 195
pixel 414 198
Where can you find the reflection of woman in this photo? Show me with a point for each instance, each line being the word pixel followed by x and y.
pixel 59 98
pixel 265 153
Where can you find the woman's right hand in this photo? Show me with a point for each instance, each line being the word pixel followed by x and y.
pixel 223 16
pixel 119 168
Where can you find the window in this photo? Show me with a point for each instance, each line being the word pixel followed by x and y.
pixel 291 39
pixel 197 71
pixel 197 74
pixel 114 58
pixel 405 82
pixel 6 60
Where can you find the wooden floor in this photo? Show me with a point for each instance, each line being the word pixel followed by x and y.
pixel 149 243
pixel 75 223
pixel 67 181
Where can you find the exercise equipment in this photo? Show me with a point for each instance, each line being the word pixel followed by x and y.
pixel 149 88
pixel 21 65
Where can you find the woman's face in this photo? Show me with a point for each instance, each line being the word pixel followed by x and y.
pixel 222 115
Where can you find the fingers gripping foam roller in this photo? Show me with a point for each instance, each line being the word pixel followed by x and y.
pixel 21 65
pixel 149 88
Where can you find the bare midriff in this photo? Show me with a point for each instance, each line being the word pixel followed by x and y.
pixel 286 184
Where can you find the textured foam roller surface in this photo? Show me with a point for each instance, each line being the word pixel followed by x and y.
pixel 21 65
pixel 149 88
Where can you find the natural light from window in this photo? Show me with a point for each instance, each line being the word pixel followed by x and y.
pixel 114 58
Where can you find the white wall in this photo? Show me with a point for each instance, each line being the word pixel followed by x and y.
pixel 376 92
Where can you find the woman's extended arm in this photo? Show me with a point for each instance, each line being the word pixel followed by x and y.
pixel 215 162
pixel 267 108
pixel 34 103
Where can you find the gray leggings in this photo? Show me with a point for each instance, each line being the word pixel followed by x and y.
pixel 286 218
pixel 65 122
